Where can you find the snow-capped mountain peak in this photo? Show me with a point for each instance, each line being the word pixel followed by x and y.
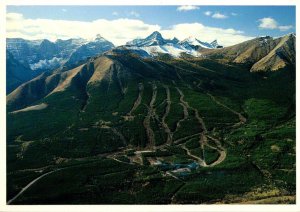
pixel 154 39
pixel 191 40
pixel 100 38
pixel 155 44
pixel 215 44
pixel 45 55
pixel 155 36
pixel 195 43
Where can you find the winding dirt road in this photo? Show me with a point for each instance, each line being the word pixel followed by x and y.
pixel 31 183
pixel 185 138
pixel 242 119
pixel 200 160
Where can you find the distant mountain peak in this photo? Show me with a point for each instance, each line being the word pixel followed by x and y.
pixel 99 38
pixel 191 40
pixel 175 40
pixel 291 34
pixel 215 44
pixel 155 34
pixel 155 38
pixel 45 41
pixel 155 43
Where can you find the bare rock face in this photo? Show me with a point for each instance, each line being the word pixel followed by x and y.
pixel 280 56
pixel 263 53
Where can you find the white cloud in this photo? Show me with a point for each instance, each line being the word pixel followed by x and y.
pixel 187 8
pixel 135 14
pixel 204 33
pixel 14 16
pixel 234 14
pixel 208 13
pixel 285 28
pixel 219 16
pixel 31 29
pixel 115 13
pixel 270 23
pixel 18 26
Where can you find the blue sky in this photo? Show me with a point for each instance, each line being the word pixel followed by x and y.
pixel 246 21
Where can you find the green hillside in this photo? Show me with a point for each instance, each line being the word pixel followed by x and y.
pixel 122 129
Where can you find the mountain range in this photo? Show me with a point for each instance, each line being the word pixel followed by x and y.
pixel 43 55
pixel 155 121
pixel 39 56
pixel 155 44
pixel 263 53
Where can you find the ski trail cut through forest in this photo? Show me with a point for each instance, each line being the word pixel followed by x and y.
pixel 150 114
pixel 167 110
pixel 202 137
pixel 138 99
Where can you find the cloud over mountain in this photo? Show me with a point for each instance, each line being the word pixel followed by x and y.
pixel 19 26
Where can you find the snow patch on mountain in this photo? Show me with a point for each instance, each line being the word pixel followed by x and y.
pixel 215 44
pixel 155 44
pixel 171 49
pixel 90 49
pixel 45 55
pixel 155 39
pixel 195 43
